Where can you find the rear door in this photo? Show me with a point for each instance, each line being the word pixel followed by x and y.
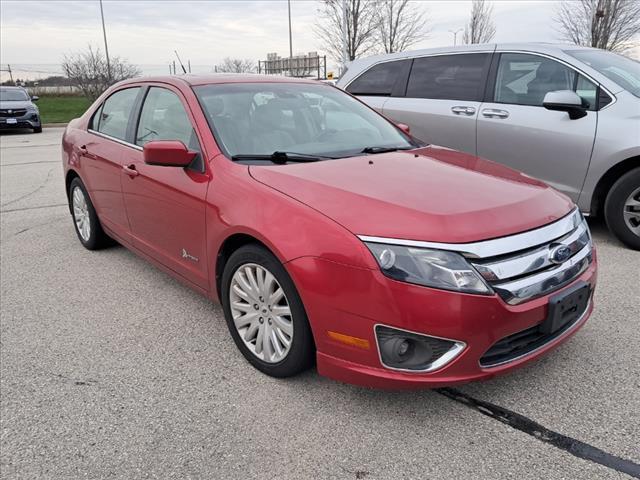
pixel 442 99
pixel 377 84
pixel 516 130
pixel 102 151
pixel 166 205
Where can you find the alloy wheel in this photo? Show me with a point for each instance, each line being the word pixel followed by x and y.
pixel 261 313
pixel 632 211
pixel 81 214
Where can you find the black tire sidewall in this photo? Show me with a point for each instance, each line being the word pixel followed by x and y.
pixel 614 208
pixel 96 237
pixel 302 351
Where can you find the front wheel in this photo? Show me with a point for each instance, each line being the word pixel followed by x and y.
pixel 37 129
pixel 265 314
pixel 622 209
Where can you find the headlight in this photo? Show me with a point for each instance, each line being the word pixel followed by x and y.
pixel 32 108
pixel 431 268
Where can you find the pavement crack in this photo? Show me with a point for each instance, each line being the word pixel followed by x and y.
pixel 33 208
pixel 19 164
pixel 26 195
pixel 520 422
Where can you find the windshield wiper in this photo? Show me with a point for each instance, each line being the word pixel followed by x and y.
pixel 281 157
pixel 384 149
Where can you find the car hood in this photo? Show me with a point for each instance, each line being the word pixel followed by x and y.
pixel 15 104
pixel 431 194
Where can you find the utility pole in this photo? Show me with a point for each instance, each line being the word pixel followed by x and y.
pixel 106 48
pixel 345 37
pixel 455 35
pixel 290 38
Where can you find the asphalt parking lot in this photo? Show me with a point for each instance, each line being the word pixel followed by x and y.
pixel 111 369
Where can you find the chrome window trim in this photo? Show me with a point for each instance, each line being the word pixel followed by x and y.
pixel 451 354
pixel 117 140
pixel 567 332
pixel 566 64
pixel 498 246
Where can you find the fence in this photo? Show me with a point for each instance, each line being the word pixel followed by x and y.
pixel 311 65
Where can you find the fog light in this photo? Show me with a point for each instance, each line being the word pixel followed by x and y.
pixel 410 351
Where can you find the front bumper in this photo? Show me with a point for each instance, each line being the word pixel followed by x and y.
pixel 30 120
pixel 351 301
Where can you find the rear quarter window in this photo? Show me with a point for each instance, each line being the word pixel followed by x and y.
pixel 379 79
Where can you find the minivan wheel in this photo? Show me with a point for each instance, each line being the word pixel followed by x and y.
pixel 85 219
pixel 622 209
pixel 265 314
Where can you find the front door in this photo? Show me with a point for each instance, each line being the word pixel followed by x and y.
pixel 516 130
pixel 166 205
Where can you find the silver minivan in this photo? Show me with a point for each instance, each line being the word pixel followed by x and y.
pixel 565 114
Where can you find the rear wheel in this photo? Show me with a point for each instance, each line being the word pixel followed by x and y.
pixel 622 209
pixel 85 218
pixel 265 314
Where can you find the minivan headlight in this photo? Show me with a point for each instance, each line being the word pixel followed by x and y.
pixel 431 268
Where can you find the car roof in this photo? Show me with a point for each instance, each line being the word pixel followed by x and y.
pixel 219 78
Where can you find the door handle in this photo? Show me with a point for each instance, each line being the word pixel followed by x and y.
pixel 494 113
pixel 130 170
pixel 82 150
pixel 462 110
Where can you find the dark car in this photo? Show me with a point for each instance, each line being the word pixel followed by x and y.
pixel 17 109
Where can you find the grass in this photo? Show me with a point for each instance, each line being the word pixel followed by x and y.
pixel 61 108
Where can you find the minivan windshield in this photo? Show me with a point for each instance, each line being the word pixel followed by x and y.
pixel 622 70
pixel 13 95
pixel 299 119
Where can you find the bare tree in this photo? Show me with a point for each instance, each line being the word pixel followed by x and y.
pixel 236 65
pixel 400 25
pixel 88 70
pixel 362 22
pixel 607 24
pixel 480 28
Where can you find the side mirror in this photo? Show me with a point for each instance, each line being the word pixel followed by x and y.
pixel 35 98
pixel 167 153
pixel 405 128
pixel 566 101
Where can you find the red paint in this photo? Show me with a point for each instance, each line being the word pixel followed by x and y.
pixel 308 215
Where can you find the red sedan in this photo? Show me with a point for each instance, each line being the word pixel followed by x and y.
pixel 328 233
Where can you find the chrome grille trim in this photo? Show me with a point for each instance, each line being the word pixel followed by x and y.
pixel 498 246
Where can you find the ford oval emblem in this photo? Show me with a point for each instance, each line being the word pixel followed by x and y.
pixel 559 254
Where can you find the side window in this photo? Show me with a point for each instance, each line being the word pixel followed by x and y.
pixel 524 79
pixel 379 79
pixel 95 120
pixel 448 77
pixel 163 117
pixel 115 113
pixel 588 91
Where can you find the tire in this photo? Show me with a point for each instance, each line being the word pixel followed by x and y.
pixel 622 209
pixel 92 238
pixel 301 350
pixel 37 130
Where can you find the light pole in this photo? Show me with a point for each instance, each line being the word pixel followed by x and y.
pixel 455 35
pixel 290 40
pixel 345 37
pixel 106 48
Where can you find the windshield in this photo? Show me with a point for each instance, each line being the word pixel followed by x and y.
pixel 622 70
pixel 307 119
pixel 13 95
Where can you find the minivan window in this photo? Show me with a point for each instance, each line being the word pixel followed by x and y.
pixel 379 79
pixel 163 117
pixel 116 111
pixel 622 70
pixel 448 77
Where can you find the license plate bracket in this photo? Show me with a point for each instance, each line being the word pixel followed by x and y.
pixel 566 307
pixel 12 121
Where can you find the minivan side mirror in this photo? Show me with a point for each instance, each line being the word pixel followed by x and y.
pixel 404 127
pixel 167 153
pixel 566 101
pixel 35 98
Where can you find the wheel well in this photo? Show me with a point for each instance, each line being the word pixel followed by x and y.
pixel 607 181
pixel 71 174
pixel 230 245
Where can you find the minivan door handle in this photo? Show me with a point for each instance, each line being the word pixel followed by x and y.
pixel 462 110
pixel 494 113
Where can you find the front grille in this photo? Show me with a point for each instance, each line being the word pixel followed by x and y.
pixel 522 343
pixel 520 275
pixel 12 113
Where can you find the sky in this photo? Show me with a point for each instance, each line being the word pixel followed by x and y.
pixel 35 35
